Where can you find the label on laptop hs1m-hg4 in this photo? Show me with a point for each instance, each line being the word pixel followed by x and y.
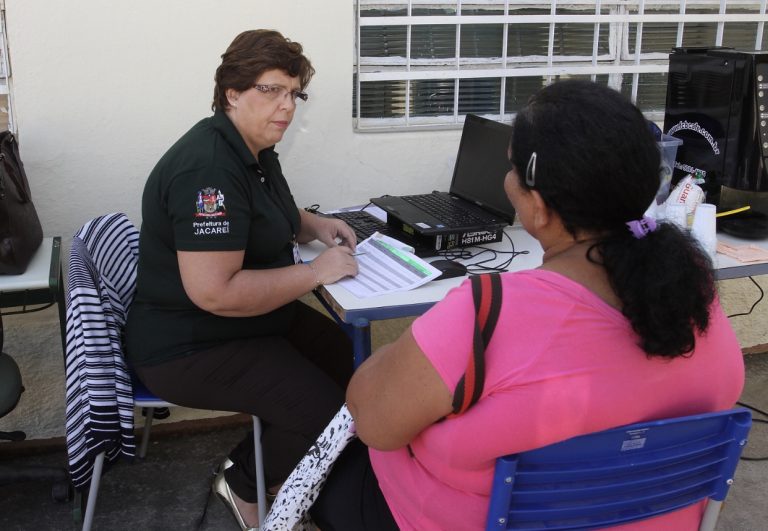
pixel 443 242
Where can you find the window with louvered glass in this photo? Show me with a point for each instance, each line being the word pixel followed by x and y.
pixel 424 63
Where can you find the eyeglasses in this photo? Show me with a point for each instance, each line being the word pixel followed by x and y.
pixel 273 92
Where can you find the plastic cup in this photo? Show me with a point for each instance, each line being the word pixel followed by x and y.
pixel 677 214
pixel 704 228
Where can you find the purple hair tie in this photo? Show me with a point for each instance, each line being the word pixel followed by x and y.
pixel 641 227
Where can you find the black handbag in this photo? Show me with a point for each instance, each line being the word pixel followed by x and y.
pixel 20 231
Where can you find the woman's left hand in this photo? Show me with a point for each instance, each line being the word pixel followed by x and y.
pixel 330 231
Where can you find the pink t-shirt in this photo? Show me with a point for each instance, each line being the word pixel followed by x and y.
pixel 561 363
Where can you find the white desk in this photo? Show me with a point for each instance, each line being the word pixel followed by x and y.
pixel 39 287
pixel 355 314
pixel 728 267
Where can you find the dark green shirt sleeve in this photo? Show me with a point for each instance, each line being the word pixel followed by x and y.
pixel 209 210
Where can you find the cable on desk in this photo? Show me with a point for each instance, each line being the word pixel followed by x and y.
pixel 467 253
pixel 762 293
pixel 480 266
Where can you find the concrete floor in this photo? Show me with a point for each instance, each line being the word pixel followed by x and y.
pixel 170 488
pixel 746 507
pixel 167 490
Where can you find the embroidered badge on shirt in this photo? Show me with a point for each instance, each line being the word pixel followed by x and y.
pixel 210 206
pixel 210 203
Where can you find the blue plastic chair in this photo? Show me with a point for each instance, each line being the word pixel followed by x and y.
pixel 621 475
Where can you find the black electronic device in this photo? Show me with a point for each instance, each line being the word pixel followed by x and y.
pixel 750 224
pixel 717 104
pixel 475 209
pixel 365 224
pixel 449 268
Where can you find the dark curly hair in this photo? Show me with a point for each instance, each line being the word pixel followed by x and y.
pixel 597 166
pixel 251 54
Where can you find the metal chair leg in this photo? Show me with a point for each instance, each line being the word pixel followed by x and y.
pixel 150 414
pixel 261 486
pixel 93 492
pixel 711 513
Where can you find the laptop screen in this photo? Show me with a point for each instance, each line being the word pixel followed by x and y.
pixel 482 164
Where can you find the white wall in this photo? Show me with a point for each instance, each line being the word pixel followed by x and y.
pixel 102 89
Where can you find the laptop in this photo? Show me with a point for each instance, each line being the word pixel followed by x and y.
pixel 475 209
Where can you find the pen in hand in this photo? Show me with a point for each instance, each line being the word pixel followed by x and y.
pixel 358 254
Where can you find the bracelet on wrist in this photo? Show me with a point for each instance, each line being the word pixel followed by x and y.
pixel 317 277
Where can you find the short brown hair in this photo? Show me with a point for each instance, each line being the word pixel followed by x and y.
pixel 251 54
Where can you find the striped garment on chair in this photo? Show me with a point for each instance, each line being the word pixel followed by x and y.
pixel 101 287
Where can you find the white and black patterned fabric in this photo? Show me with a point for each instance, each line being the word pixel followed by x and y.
pixel 290 510
pixel 101 286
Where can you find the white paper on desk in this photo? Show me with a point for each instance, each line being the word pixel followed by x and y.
pixel 747 254
pixel 384 267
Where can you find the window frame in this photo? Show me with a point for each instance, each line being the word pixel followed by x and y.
pixel 619 64
pixel 6 86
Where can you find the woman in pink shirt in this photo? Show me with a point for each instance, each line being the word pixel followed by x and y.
pixel 620 324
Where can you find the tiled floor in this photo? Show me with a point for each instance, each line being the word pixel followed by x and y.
pixel 170 488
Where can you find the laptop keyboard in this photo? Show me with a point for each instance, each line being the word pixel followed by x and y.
pixel 363 223
pixel 445 209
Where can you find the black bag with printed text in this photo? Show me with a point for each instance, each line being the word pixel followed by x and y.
pixel 20 231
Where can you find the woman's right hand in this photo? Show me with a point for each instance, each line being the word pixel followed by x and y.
pixel 334 264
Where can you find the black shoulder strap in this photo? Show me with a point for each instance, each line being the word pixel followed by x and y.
pixel 486 293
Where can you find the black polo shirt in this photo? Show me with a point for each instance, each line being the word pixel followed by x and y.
pixel 207 193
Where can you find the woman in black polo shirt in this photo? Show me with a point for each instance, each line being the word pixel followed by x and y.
pixel 216 323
